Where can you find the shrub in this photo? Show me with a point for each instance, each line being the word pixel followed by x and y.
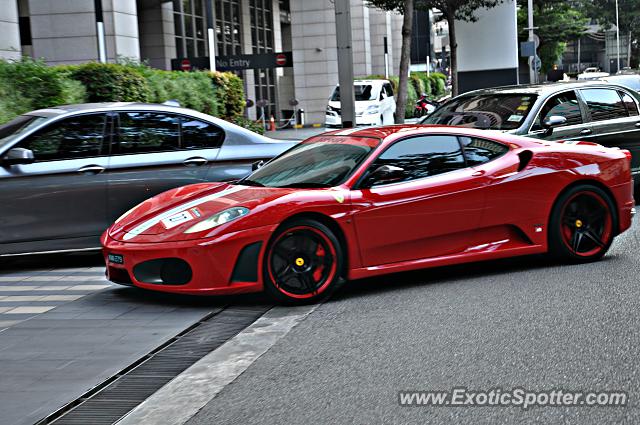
pixel 33 80
pixel 230 94
pixel 192 89
pixel 109 82
pixel 254 126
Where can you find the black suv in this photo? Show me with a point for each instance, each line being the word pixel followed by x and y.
pixel 595 111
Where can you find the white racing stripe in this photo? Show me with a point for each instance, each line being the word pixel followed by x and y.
pixel 157 219
pixel 185 395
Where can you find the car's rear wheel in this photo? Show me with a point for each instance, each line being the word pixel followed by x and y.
pixel 303 263
pixel 583 223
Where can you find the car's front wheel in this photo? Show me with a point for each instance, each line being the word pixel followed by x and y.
pixel 582 225
pixel 303 263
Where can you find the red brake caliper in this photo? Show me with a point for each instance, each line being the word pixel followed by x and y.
pixel 317 273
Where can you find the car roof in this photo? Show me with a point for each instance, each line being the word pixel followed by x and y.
pixel 391 133
pixel 105 106
pixel 539 89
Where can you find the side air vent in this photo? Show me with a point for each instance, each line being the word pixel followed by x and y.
pixel 525 158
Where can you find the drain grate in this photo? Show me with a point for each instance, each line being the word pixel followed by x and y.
pixel 117 396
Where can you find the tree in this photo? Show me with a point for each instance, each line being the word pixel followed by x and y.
pixel 452 11
pixel 629 17
pixel 558 21
pixel 405 7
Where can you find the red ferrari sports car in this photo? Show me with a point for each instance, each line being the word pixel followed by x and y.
pixel 357 203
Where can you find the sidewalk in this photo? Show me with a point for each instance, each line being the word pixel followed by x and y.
pixel 296 134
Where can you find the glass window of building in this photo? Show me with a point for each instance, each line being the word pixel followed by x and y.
pixel 228 27
pixel 261 12
pixel 190 28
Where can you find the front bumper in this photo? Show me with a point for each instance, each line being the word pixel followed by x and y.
pixel 333 119
pixel 214 264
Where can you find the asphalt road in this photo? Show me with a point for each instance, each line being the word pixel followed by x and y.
pixel 523 322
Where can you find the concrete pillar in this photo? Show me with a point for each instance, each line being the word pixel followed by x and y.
pixel 9 31
pixel 157 36
pixel 64 32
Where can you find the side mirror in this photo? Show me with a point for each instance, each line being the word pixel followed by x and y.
pixel 385 174
pixel 256 165
pixel 19 156
pixel 553 121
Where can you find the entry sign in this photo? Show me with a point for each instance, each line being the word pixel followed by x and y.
pixel 235 62
pixel 281 59
pixel 185 65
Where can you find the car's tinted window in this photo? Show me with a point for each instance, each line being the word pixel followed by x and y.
pixel 388 89
pixel 200 135
pixel 604 104
pixel 487 111
pixel 478 151
pixel 76 137
pixel 563 105
pixel 423 156
pixel 632 107
pixel 142 132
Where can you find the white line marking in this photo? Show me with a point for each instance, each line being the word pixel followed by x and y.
pixel 61 297
pixel 21 298
pixel 87 287
pixel 186 394
pixel 30 310
pixel 17 288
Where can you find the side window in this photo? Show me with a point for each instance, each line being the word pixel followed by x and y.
pixel 632 107
pixel 200 135
pixel 389 89
pixel 75 137
pixel 478 151
pixel 604 104
pixel 143 132
pixel 424 156
pixel 564 105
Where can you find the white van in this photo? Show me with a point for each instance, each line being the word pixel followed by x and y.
pixel 375 104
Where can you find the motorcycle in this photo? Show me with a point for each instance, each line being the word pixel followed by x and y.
pixel 424 106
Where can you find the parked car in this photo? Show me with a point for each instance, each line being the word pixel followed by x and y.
pixel 592 74
pixel 375 104
pixel 356 204
pixel 593 111
pixel 630 81
pixel 67 172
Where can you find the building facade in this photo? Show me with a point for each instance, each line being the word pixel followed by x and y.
pixel 165 34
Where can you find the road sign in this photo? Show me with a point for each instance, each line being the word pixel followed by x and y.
pixel 536 61
pixel 185 65
pixel 281 59
pixel 527 48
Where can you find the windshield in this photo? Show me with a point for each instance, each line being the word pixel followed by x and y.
pixel 492 111
pixel 364 92
pixel 18 126
pixel 323 161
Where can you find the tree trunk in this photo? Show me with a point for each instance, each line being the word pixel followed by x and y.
pixel 453 45
pixel 405 57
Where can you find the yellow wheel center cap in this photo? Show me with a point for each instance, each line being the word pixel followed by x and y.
pixel 578 223
pixel 299 262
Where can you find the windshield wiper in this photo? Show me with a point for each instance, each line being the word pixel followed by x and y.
pixel 247 182
pixel 305 185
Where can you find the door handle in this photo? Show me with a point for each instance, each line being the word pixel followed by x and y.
pixel 478 173
pixel 586 132
pixel 638 124
pixel 91 169
pixel 196 161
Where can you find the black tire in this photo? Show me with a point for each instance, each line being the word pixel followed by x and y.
pixel 296 272
pixel 582 225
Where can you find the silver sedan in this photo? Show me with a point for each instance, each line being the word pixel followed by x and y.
pixel 67 173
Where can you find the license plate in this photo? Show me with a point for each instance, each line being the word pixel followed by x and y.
pixel 116 258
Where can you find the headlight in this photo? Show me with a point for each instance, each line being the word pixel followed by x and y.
pixel 373 109
pixel 217 219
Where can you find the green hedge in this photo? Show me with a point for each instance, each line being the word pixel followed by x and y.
pixel 110 82
pixel 29 84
